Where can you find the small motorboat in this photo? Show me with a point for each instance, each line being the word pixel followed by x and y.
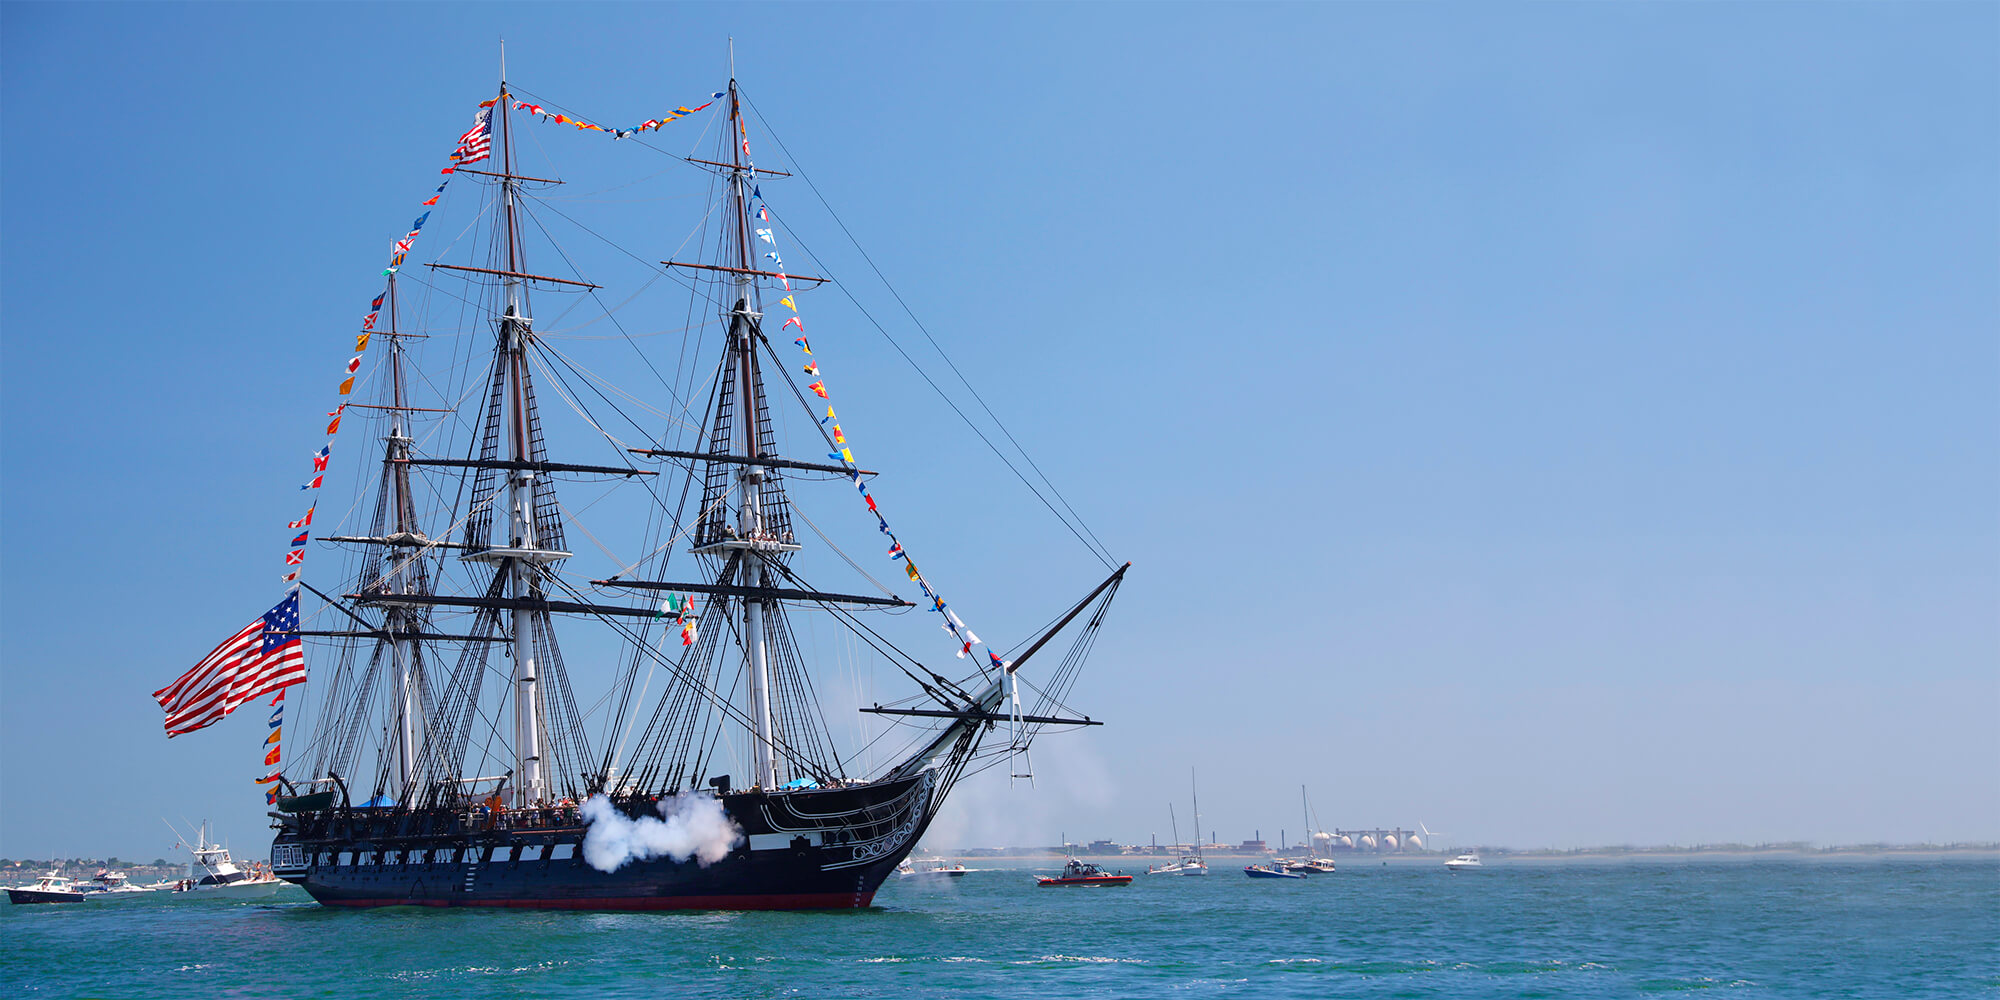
pixel 1190 865
pixel 1085 873
pixel 932 866
pixel 50 888
pixel 1311 866
pixel 1463 862
pixel 107 886
pixel 1275 869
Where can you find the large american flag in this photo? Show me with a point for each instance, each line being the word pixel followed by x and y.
pixel 264 657
pixel 476 145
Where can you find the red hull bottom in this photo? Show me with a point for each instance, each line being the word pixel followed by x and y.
pixel 804 901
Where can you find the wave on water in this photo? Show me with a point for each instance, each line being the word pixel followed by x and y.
pixel 1086 959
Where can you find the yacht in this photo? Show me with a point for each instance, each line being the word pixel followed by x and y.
pixel 108 886
pixel 212 874
pixel 1275 869
pixel 50 888
pixel 1464 861
pixel 1189 865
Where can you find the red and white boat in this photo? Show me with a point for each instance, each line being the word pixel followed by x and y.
pixel 1085 873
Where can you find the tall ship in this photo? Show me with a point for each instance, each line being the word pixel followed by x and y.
pixel 485 724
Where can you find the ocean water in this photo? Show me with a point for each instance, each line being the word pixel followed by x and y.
pixel 1875 927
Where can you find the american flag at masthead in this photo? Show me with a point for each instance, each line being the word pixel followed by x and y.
pixel 477 144
pixel 266 656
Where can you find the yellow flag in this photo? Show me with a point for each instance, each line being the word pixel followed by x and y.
pixel 273 738
pixel 787 303
pixel 829 414
pixel 847 453
pixel 361 342
pixel 347 386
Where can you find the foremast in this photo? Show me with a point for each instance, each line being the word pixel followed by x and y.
pixel 409 707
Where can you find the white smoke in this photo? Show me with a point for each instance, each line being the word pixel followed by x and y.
pixel 695 827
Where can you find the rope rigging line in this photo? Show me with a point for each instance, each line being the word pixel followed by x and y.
pixel 1092 543
pixel 610 313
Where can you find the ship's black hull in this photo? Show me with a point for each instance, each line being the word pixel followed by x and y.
pixel 817 849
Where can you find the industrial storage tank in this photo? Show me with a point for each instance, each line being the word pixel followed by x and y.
pixel 1414 842
pixel 1388 841
pixel 1367 842
pixel 1344 841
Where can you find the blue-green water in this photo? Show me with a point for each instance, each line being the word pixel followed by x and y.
pixel 1846 928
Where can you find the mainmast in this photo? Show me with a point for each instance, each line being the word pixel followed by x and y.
pixel 752 537
pixel 522 557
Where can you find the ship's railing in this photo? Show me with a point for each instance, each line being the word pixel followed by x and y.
pixel 537 818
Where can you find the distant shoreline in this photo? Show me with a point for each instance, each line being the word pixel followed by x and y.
pixel 1720 852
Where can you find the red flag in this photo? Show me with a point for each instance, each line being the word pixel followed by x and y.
pixel 296 557
pixel 433 201
pixel 306 521
pixel 272 757
pixel 819 389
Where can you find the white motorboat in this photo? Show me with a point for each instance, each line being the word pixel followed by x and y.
pixel 50 888
pixel 1275 869
pixel 212 874
pixel 1464 861
pixel 931 866
pixel 1190 865
pixel 109 886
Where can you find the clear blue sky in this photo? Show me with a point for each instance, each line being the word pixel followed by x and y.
pixel 1560 424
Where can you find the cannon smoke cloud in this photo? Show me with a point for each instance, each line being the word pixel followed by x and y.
pixel 694 826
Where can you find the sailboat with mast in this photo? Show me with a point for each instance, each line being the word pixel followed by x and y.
pixel 1192 863
pixel 705 773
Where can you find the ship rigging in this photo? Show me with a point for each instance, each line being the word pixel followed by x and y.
pixel 451 760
